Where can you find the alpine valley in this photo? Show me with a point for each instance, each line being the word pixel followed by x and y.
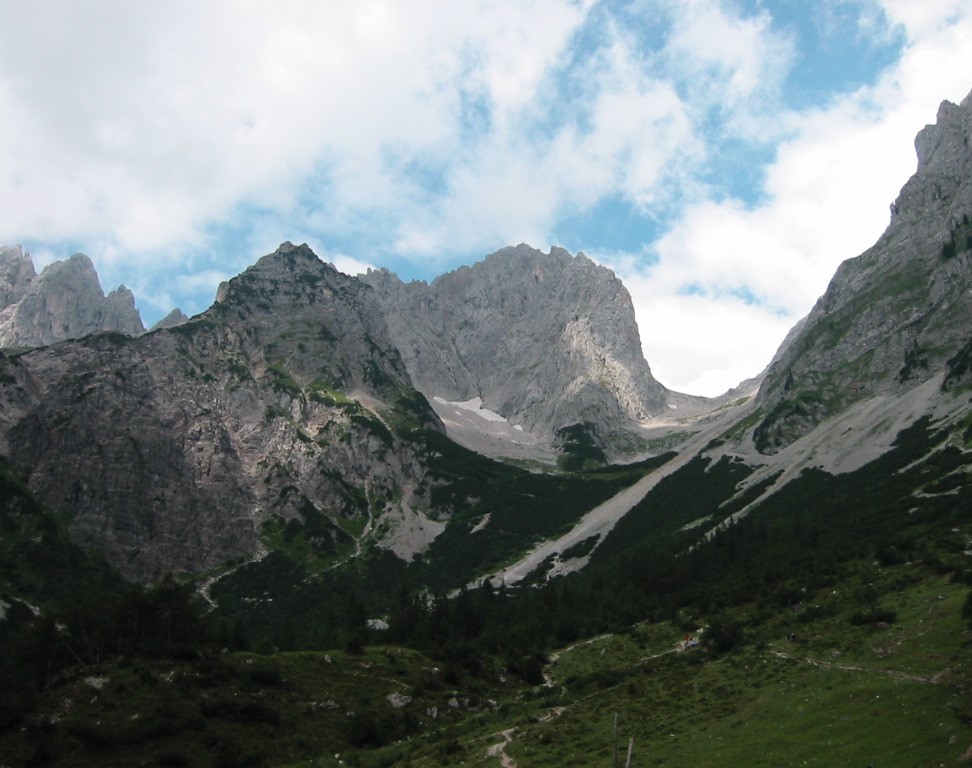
pixel 339 520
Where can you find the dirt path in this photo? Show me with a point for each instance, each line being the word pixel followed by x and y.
pixel 896 674
pixel 498 750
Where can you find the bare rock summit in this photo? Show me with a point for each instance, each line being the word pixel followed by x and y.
pixel 546 340
pixel 897 314
pixel 171 320
pixel 64 302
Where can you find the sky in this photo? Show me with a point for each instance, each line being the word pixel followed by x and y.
pixel 721 156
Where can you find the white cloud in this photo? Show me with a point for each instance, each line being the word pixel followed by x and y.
pixel 828 193
pixel 926 18
pixel 703 344
pixel 156 120
pixel 630 136
pixel 179 140
pixel 349 265
pixel 730 60
pixel 171 118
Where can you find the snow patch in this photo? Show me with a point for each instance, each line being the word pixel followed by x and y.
pixel 489 433
pixel 474 406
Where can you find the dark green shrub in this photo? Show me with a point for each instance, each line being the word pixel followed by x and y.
pixel 723 634
pixel 874 616
pixel 172 759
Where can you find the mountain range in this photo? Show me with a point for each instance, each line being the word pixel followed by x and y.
pixel 65 301
pixel 314 439
pixel 171 450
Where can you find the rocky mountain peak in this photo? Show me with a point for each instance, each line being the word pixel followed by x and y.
pixel 325 324
pixel 120 312
pixel 64 302
pixel 172 450
pixel 16 274
pixel 897 314
pixel 546 340
pixel 288 272
pixel 939 143
pixel 939 187
pixel 175 318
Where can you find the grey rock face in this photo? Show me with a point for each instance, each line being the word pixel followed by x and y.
pixel 64 302
pixel 896 314
pixel 545 339
pixel 120 314
pixel 16 274
pixel 334 329
pixel 171 320
pixel 170 451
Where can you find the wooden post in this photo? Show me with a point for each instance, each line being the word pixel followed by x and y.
pixel 627 763
pixel 616 763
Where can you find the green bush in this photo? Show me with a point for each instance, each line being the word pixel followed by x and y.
pixel 873 616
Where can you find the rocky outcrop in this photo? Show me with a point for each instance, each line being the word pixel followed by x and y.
pixel 898 313
pixel 171 320
pixel 64 302
pixel 547 340
pixel 173 451
pixel 16 274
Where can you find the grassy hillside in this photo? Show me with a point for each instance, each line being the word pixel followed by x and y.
pixel 811 684
pixel 241 709
pixel 794 690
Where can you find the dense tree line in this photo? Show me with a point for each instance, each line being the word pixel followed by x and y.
pixel 64 607
pixel 162 621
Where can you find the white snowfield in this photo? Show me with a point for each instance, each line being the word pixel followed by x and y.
pixel 471 425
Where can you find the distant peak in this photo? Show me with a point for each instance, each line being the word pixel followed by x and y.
pixel 78 268
pixel 287 248
pixel 174 318
pixel 81 258
pixel 14 252
pixel 290 254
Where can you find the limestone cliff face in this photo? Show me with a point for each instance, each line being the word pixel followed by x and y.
pixel 16 274
pixel 898 313
pixel 545 339
pixel 171 451
pixel 64 302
